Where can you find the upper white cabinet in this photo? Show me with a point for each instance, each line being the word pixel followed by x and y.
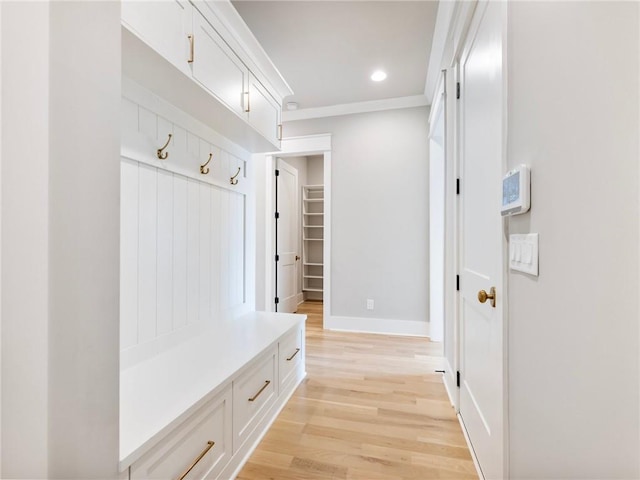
pixel 264 111
pixel 217 67
pixel 202 58
pixel 163 25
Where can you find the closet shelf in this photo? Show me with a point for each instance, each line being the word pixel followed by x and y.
pixel 312 248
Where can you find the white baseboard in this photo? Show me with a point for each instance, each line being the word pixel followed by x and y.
pixel 299 298
pixel 412 328
pixel 449 380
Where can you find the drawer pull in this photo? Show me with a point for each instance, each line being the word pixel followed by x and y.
pixel 209 446
pixel 291 357
pixel 266 384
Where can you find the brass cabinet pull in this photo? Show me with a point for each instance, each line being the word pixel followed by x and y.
pixel 247 107
pixel 483 296
pixel 209 446
pixel 291 357
pixel 233 179
pixel 203 168
pixel 162 155
pixel 266 384
pixel 191 48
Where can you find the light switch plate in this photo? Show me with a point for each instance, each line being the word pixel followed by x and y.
pixel 523 253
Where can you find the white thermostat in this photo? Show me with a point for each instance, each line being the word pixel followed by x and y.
pixel 516 194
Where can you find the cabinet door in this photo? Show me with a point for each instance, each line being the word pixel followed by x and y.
pixel 217 67
pixel 290 356
pixel 264 111
pixel 175 454
pixel 163 25
pixel 253 393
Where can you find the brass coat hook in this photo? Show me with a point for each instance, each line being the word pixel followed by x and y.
pixel 233 179
pixel 159 152
pixel 203 168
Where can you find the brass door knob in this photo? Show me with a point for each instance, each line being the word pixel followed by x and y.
pixel 483 296
pixel 297 258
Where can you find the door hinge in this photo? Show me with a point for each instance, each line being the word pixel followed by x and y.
pixel 457 186
pixel 458 90
pixel 277 215
pixel 458 283
pixel 458 379
pixel 276 300
pixel 277 173
pixel 277 258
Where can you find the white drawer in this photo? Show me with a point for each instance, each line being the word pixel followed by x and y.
pixel 253 392
pixel 174 455
pixel 291 354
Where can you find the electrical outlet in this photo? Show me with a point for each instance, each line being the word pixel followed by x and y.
pixel 369 304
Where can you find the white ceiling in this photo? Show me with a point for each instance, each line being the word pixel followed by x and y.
pixel 327 50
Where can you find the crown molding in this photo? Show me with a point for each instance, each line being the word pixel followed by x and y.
pixel 359 107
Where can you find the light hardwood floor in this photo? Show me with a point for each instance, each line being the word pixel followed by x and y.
pixel 370 408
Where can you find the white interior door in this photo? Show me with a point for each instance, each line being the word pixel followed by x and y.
pixel 481 164
pixel 287 250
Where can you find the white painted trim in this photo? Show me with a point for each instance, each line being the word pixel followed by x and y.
pixel 438 45
pixel 326 248
pixel 449 380
pixel 357 107
pixel 471 450
pixel 410 328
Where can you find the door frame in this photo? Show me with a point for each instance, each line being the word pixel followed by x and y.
pixel 468 18
pixel 438 110
pixel 295 147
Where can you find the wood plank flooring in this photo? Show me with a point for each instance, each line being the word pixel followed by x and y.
pixel 371 408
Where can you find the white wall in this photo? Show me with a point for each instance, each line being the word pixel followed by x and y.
pixel 84 223
pixel 25 190
pixel 379 215
pixel 315 170
pixel 60 204
pixel 573 331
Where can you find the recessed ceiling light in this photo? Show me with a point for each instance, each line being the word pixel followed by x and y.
pixel 378 76
pixel 292 105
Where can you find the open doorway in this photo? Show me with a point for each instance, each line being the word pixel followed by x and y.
pixel 299 231
pixel 310 158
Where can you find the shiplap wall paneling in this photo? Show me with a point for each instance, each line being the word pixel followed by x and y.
pixel 183 233
pixel 204 259
pixel 147 253
pixel 225 247
pixel 165 255
pixel 193 251
pixel 180 248
pixel 128 253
